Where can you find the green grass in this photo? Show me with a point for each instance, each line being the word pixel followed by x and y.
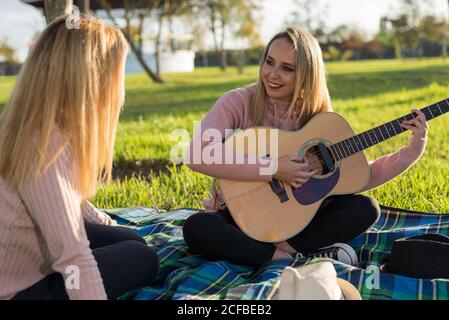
pixel 365 93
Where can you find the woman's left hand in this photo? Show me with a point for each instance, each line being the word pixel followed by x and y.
pixel 418 125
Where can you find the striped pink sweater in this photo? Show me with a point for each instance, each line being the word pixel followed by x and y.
pixel 42 230
pixel 232 111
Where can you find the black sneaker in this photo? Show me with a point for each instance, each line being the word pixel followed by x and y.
pixel 338 251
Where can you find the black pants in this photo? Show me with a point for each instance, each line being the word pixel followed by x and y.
pixel 123 258
pixel 339 219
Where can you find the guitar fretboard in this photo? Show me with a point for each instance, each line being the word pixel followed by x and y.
pixel 367 139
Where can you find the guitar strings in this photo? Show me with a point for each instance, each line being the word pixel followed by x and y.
pixel 406 117
pixel 318 154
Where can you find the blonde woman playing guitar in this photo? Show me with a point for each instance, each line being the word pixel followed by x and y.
pixel 290 91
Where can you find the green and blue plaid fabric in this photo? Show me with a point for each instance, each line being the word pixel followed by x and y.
pixel 185 276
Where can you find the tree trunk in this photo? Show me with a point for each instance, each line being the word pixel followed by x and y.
pixel 213 28
pixel 156 78
pixel 204 58
pixel 214 32
pixel 241 60
pixel 444 45
pixel 170 30
pixel 223 58
pixel 83 5
pixel 157 53
pixel 397 49
pixel 127 18
pixel 56 8
pixel 445 36
pixel 140 29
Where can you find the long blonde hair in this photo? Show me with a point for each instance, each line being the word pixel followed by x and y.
pixel 310 83
pixel 71 79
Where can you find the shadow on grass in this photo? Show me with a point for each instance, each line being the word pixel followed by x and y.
pixel 138 110
pixel 127 168
pixel 175 98
pixel 178 88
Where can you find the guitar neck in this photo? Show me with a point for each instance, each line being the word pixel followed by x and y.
pixel 367 139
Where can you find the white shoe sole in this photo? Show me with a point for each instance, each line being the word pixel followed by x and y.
pixel 349 251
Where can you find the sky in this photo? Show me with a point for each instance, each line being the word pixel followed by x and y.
pixel 20 22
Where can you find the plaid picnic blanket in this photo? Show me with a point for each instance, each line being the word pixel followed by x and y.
pixel 185 276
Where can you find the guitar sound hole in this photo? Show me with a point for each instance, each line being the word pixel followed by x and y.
pixel 317 160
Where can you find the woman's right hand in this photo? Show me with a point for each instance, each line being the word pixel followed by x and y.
pixel 294 170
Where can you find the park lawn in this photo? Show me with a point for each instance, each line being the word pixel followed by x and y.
pixel 366 93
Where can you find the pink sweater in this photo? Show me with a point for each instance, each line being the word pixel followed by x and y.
pixel 42 230
pixel 232 111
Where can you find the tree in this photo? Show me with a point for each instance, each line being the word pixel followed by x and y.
pixel 198 30
pixel 167 10
pixel 156 10
pixel 405 28
pixel 7 52
pixel 216 10
pixel 224 16
pixel 127 33
pixel 344 43
pixel 308 15
pixel 445 36
pixel 56 8
pixel 246 29
pixel 434 31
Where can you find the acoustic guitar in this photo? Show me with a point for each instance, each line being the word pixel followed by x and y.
pixel 274 211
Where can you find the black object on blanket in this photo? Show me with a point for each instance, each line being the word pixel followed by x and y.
pixel 425 256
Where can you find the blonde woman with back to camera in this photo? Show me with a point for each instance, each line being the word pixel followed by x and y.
pixel 57 138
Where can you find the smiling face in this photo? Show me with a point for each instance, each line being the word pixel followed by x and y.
pixel 279 70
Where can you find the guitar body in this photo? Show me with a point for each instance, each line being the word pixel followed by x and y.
pixel 259 211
